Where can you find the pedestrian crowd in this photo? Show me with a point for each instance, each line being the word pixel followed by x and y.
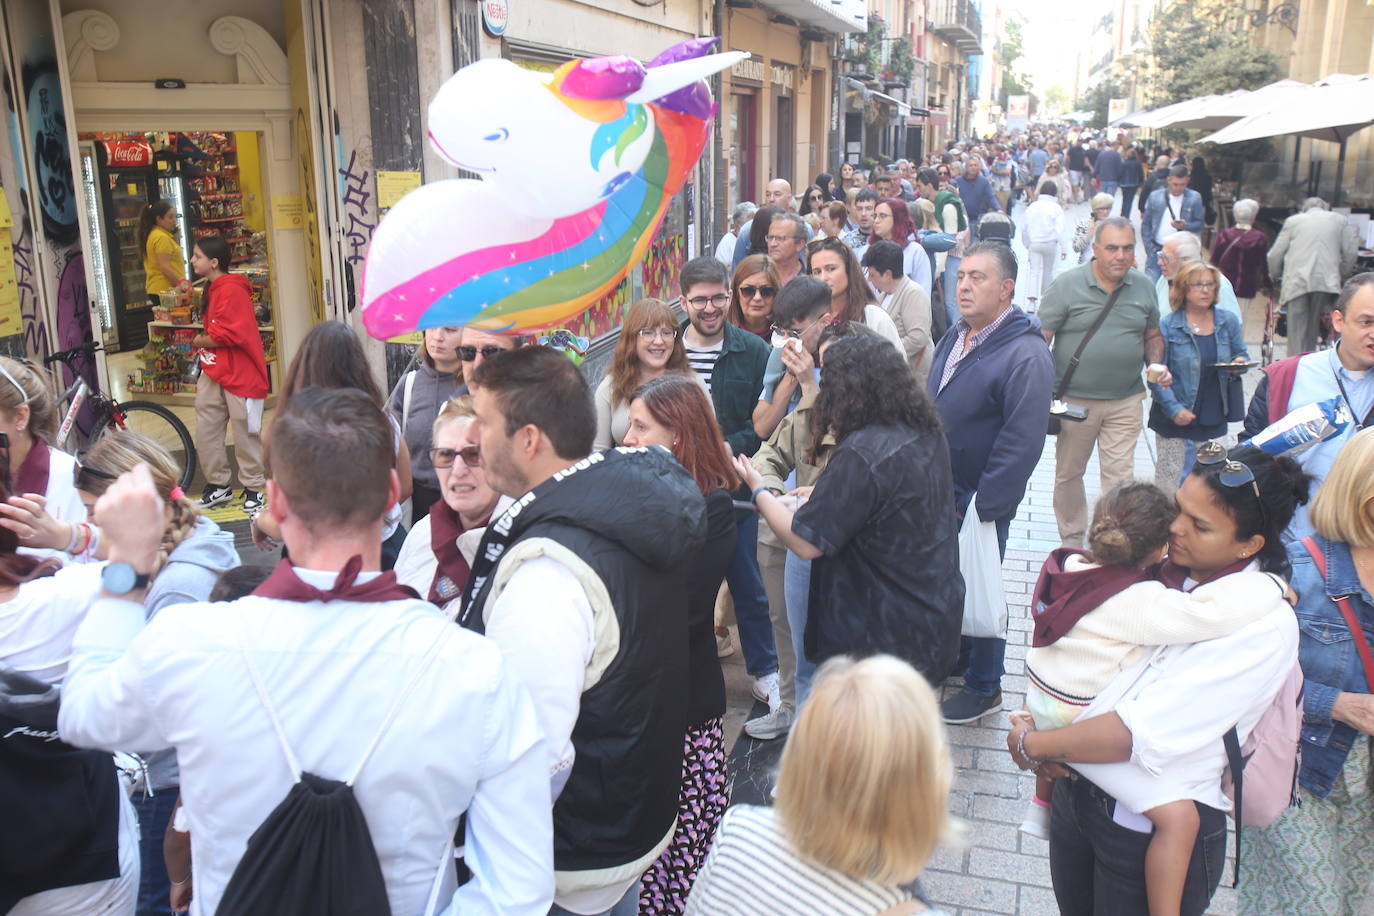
pixel 484 675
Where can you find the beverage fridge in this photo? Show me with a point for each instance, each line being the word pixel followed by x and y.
pixel 120 178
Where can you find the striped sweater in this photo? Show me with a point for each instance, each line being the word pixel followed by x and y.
pixel 753 871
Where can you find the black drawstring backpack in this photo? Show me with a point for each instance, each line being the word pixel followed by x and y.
pixel 313 855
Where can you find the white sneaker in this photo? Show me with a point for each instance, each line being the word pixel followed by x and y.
pixel 724 646
pixel 1037 822
pixel 777 723
pixel 767 690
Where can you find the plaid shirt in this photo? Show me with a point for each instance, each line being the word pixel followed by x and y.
pixel 966 343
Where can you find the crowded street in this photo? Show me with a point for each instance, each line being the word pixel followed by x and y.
pixel 687 458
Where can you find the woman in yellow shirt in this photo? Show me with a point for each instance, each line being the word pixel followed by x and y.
pixel 163 260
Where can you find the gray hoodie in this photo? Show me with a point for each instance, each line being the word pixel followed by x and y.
pixel 191 572
pixel 431 389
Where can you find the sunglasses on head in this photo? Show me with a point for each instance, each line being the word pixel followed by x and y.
pixel 444 457
pixel 1233 473
pixel 468 354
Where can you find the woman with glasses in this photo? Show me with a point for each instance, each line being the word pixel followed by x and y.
pixel 892 223
pixel 1203 399
pixel 755 284
pixel 1318 857
pixel 826 182
pixel 650 346
pixel 1083 233
pixel 676 414
pixel 851 298
pixel 1170 713
pixel 436 556
pixel 813 200
pixel 416 401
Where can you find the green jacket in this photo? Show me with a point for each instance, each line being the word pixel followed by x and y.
pixel 735 386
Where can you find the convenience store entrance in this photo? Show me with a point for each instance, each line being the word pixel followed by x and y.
pixel 149 196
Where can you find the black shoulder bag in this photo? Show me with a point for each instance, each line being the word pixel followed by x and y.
pixel 1059 411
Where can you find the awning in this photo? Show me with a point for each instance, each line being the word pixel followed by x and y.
pixel 838 16
pixel 903 109
pixel 1331 109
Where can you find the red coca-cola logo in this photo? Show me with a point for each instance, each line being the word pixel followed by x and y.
pixel 128 153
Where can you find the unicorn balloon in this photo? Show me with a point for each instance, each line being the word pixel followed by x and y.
pixel 578 168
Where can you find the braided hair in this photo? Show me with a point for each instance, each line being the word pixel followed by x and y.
pixel 121 451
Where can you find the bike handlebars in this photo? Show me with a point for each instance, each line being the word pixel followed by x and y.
pixel 63 356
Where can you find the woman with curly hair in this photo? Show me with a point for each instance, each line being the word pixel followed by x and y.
pixel 879 525
pixel 650 346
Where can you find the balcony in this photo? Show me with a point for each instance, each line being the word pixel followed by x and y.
pixel 958 22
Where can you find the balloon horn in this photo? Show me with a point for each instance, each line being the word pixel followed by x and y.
pixel 660 81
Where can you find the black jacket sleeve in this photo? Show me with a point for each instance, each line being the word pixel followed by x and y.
pixel 1257 417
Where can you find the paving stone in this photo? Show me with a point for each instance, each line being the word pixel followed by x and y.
pixel 1023 869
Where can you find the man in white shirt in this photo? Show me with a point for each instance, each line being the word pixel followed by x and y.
pixel 1172 208
pixel 582 582
pixel 332 652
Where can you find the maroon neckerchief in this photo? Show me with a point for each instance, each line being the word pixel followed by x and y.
pixel 1173 575
pixel 32 476
pixel 1062 598
pixel 452 570
pixel 287 586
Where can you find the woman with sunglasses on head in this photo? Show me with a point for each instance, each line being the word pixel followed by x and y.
pixel 1169 714
pixel 437 555
pixel 1203 399
pixel 193 554
pixel 851 298
pixel 416 401
pixel 650 346
pixel 1317 857
pixel 38 472
pixel 755 284
pixel 331 356
pixel 673 413
pixel 892 223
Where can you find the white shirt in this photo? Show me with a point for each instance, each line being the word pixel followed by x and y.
pixel 877 319
pixel 469 741
pixel 725 251
pixel 63 501
pixel 38 624
pixel 1166 228
pixel 1184 701
pixel 1045 224
pixel 416 564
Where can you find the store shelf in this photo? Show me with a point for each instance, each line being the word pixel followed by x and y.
pixel 224 219
pixel 198 326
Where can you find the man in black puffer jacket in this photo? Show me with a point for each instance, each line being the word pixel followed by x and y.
pixel 582 580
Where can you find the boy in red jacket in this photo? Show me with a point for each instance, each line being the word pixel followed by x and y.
pixel 233 379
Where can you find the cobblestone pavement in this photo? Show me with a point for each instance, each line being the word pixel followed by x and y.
pixel 997 869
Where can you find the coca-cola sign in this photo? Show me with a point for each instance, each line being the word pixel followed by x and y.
pixel 128 153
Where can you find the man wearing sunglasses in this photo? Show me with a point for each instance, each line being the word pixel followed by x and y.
pixel 475 346
pixel 1343 371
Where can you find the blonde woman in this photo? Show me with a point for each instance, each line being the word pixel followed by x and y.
pixel 43 474
pixel 1054 171
pixel 194 552
pixel 862 801
pixel 436 557
pixel 1101 208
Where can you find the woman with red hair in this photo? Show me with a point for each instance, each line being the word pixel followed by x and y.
pixel 892 221
pixel 674 412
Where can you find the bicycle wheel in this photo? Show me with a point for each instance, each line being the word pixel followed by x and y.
pixel 159 424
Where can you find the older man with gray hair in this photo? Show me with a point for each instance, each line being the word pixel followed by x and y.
pixel 1179 249
pixel 1314 252
pixel 743 213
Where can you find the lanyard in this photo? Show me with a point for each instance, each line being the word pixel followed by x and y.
pixel 1359 424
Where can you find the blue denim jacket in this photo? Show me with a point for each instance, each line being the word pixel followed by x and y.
pixel 1185 365
pixel 1330 663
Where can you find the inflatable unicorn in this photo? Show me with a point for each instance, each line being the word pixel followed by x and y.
pixel 578 168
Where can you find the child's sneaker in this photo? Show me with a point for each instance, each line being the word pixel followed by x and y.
pixel 1037 822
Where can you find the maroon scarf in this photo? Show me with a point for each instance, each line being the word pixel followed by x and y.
pixel 1173 575
pixel 32 476
pixel 1063 598
pixel 287 586
pixel 452 570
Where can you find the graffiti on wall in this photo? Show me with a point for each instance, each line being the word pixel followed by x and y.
pixel 354 182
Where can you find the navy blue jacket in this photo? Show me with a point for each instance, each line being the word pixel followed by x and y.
pixel 995 410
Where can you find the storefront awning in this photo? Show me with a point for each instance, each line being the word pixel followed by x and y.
pixel 903 109
pixel 838 16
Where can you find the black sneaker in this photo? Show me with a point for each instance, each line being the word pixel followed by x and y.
pixel 252 500
pixel 966 707
pixel 214 496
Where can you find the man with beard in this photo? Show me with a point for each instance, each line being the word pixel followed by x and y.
pixel 582 582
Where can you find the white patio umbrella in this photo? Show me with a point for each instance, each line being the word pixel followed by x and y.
pixel 1219 111
pixel 1330 110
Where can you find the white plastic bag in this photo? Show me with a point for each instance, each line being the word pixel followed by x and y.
pixel 980 562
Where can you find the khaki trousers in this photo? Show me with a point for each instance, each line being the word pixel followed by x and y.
pixel 215 410
pixel 1113 427
pixel 772 563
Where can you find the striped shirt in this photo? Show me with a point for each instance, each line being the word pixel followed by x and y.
pixel 704 361
pixel 966 343
pixel 752 869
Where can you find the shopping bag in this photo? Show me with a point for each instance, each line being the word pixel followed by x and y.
pixel 980 562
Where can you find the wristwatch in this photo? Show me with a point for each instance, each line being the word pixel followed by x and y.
pixel 121 578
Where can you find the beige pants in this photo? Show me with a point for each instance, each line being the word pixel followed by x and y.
pixel 1113 427
pixel 215 410
pixel 772 562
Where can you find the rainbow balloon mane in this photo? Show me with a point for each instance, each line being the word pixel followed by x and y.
pixel 578 169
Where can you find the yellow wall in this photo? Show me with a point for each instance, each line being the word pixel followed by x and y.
pixel 250 181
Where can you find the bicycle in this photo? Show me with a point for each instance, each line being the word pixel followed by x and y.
pixel 147 419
